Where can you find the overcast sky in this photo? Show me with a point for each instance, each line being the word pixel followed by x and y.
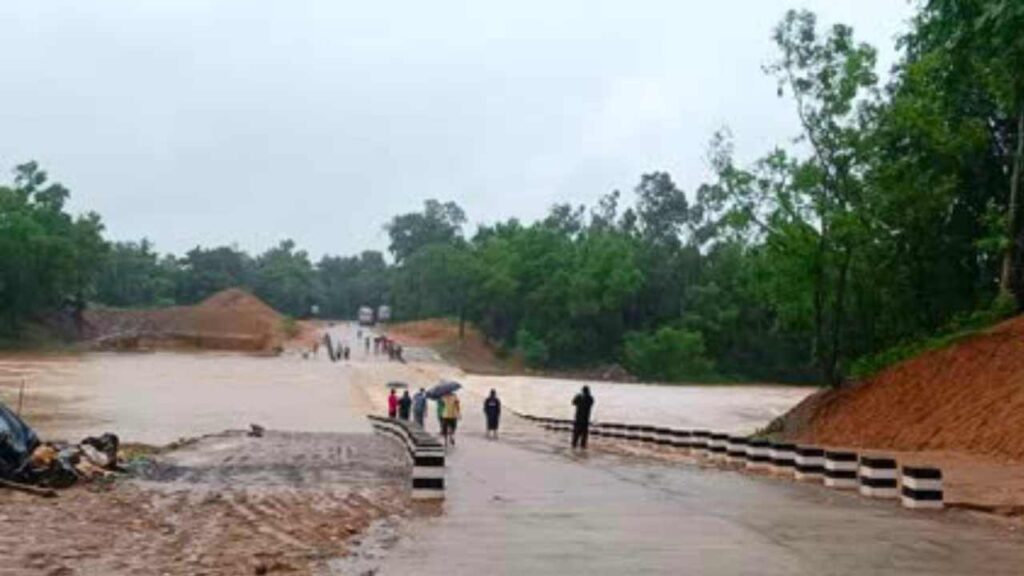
pixel 216 122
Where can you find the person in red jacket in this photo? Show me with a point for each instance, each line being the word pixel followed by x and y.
pixel 392 404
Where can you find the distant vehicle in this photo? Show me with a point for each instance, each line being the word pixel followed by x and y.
pixel 383 313
pixel 365 316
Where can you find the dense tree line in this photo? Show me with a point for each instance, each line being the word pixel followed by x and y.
pixel 893 218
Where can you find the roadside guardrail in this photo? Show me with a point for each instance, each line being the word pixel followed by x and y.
pixel 426 454
pixel 873 476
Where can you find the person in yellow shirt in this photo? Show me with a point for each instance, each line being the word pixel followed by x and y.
pixel 451 412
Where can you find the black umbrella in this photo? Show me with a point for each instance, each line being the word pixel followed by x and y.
pixel 442 389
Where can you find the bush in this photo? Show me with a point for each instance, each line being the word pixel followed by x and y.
pixel 534 350
pixel 669 354
pixel 961 327
pixel 290 327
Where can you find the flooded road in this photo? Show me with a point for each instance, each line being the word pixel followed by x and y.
pixel 159 397
pixel 526 504
pixel 733 409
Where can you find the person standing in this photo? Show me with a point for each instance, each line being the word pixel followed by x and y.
pixel 492 412
pixel 452 411
pixel 584 403
pixel 404 405
pixel 392 404
pixel 419 407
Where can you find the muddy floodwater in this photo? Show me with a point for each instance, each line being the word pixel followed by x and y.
pixel 734 409
pixel 160 397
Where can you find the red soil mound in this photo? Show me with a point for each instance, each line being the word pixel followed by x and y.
pixel 968 397
pixel 231 319
pixel 473 353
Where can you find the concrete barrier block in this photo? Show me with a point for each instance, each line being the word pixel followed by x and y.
pixel 809 463
pixel 878 478
pixel 718 446
pixel 736 450
pixel 759 455
pixel 783 458
pixel 921 488
pixel 841 470
pixel 699 442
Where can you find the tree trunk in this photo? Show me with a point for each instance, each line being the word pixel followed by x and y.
pixel 1008 278
pixel 838 318
pixel 819 311
pixel 462 323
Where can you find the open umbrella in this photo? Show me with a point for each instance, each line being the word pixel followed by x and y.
pixel 395 385
pixel 442 389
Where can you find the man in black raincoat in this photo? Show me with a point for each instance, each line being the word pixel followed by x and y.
pixel 492 411
pixel 583 402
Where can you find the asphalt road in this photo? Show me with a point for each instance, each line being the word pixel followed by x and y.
pixel 528 505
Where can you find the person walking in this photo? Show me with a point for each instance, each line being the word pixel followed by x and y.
pixel 419 407
pixel 452 412
pixel 440 415
pixel 392 404
pixel 404 405
pixel 584 403
pixel 492 412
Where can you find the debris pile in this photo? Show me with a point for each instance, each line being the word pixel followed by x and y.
pixel 27 462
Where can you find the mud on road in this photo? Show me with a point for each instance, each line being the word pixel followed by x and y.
pixel 225 504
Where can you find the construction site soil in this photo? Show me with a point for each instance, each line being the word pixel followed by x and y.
pixel 231 319
pixel 961 406
pixel 224 504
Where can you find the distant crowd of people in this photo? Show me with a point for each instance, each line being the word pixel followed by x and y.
pixel 449 412
pixel 335 351
pixel 340 351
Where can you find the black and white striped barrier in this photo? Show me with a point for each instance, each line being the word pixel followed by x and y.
pixel 809 463
pixel 718 446
pixel 699 440
pixel 425 452
pixel 736 450
pixel 922 488
pixel 841 470
pixel 878 477
pixel 759 455
pixel 783 459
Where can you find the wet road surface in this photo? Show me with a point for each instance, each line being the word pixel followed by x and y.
pixel 528 505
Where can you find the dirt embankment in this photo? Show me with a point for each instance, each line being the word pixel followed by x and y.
pixel 228 320
pixel 968 397
pixel 960 408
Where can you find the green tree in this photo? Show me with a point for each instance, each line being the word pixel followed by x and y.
pixel 832 80
pixel 205 271
pixel 133 274
pixel 47 257
pixel 438 223
pixel 284 277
